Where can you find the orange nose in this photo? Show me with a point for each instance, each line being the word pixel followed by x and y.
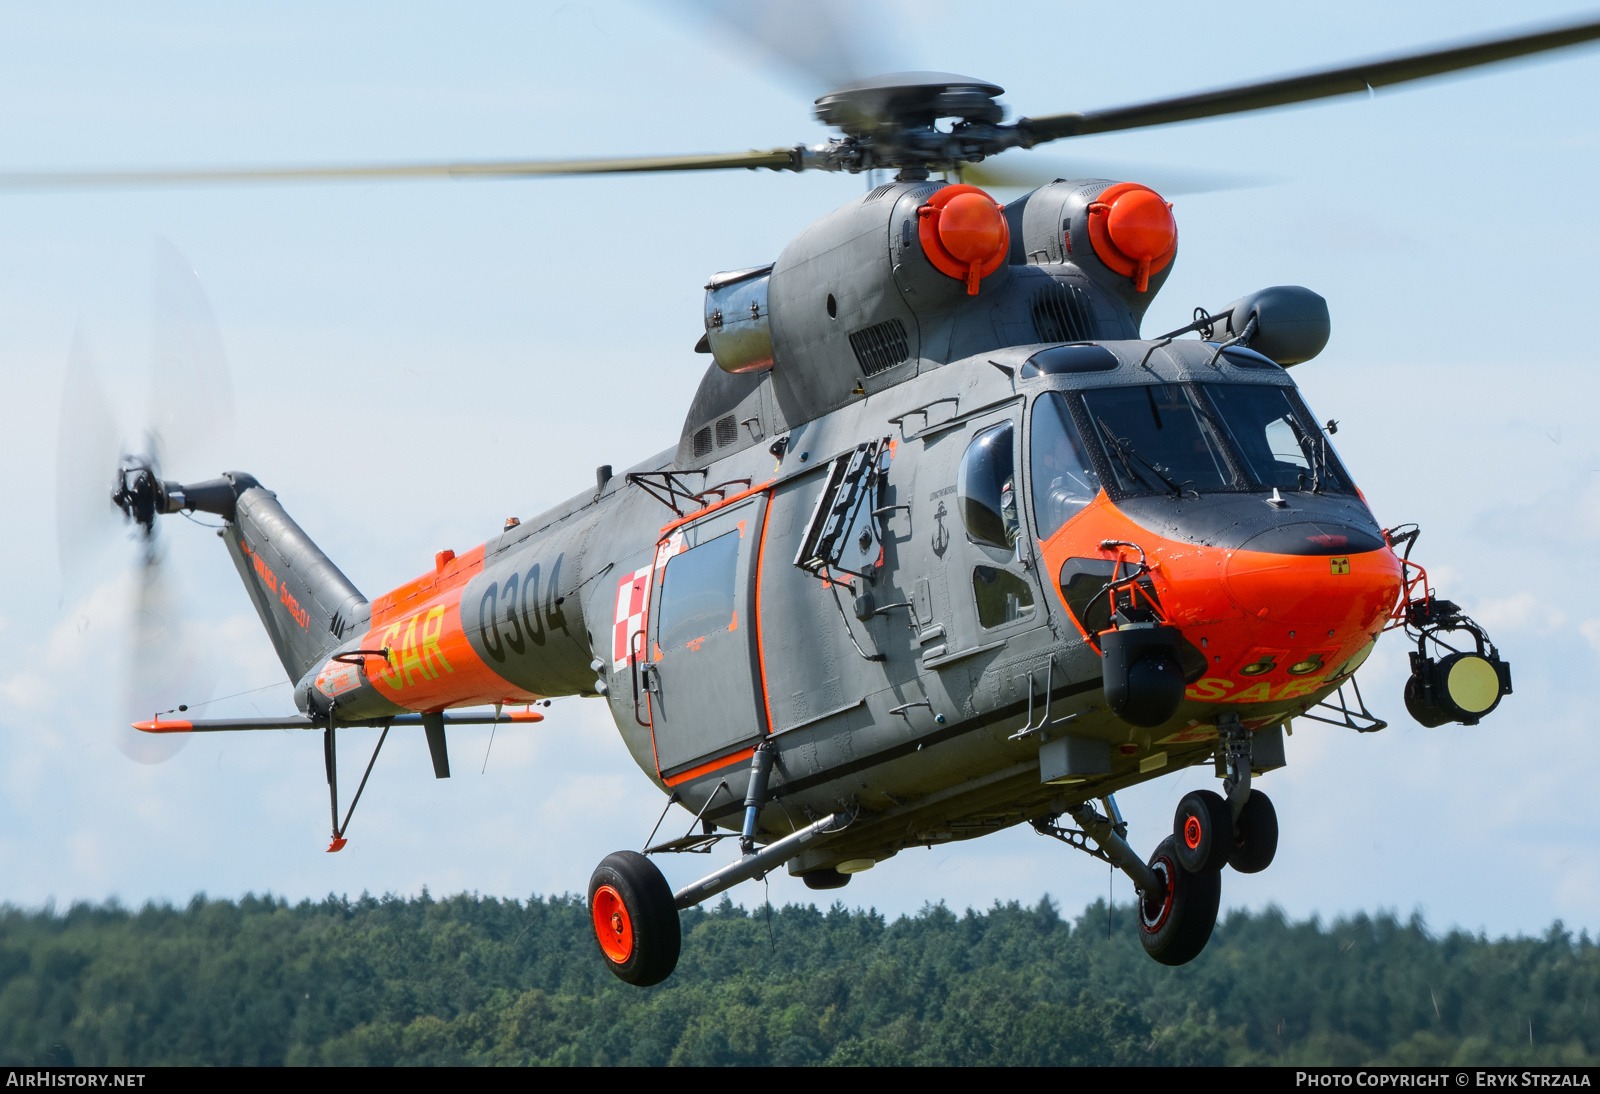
pixel 972 228
pixel 1341 594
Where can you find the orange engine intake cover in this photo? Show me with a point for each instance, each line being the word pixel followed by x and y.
pixel 1133 231
pixel 964 234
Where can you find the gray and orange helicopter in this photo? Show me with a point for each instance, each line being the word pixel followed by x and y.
pixel 945 545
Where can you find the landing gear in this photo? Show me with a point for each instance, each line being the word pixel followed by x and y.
pixel 1180 887
pixel 1202 832
pixel 1178 912
pixel 1255 835
pixel 635 918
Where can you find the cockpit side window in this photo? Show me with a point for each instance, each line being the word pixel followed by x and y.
pixel 1063 478
pixel 986 489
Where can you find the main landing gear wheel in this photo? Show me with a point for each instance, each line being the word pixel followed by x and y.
pixel 1255 835
pixel 1202 832
pixel 1175 922
pixel 635 918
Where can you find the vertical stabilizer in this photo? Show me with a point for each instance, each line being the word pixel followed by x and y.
pixel 307 605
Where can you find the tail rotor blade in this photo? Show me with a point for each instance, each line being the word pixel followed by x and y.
pixel 161 667
pixel 191 393
pixel 87 450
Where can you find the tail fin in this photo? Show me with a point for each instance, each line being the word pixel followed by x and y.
pixel 306 604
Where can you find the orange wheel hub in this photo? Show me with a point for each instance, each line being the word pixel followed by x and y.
pixel 612 924
pixel 1191 831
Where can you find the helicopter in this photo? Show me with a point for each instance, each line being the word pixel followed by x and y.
pixel 899 564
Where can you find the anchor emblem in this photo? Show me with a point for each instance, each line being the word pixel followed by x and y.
pixel 941 534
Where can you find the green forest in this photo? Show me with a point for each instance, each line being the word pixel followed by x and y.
pixel 477 980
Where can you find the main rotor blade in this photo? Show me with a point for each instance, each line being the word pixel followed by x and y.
pixel 1283 91
pixel 1029 170
pixel 778 159
pixel 820 44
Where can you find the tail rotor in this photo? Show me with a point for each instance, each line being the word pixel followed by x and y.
pixel 101 477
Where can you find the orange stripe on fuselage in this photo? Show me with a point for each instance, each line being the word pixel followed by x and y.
pixel 431 664
pixel 710 766
pixel 1268 612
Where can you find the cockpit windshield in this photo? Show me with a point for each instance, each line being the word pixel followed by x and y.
pixel 1278 441
pixel 1063 474
pixel 1157 439
pixel 1182 439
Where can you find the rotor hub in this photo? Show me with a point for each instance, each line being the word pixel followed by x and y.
pixel 909 100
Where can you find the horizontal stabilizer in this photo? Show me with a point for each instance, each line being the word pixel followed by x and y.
pixel 300 721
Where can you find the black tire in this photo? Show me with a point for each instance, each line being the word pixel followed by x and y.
pixel 1175 924
pixel 1255 835
pixel 827 878
pixel 635 918
pixel 1202 832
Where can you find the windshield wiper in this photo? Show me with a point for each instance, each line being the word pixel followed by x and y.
pixel 1125 453
pixel 1316 449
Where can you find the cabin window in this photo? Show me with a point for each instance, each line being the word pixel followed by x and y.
pixel 1063 478
pixel 697 592
pixel 1002 596
pixel 986 489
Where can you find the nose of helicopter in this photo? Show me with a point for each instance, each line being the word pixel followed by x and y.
pixel 1331 590
pixel 1273 603
pixel 1311 573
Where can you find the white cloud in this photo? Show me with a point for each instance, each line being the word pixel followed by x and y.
pixel 1590 629
pixel 1522 612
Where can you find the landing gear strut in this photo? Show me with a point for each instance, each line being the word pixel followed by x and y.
pixel 1253 833
pixel 1177 907
pixel 1180 887
pixel 635 911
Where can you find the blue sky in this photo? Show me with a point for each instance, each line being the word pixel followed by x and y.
pixel 412 363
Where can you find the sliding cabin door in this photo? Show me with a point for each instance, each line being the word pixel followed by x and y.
pixel 704 676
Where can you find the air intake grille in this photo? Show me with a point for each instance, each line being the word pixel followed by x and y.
pixel 881 346
pixel 702 441
pixel 727 431
pixel 879 192
pixel 1061 314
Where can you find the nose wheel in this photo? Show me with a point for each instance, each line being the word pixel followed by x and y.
pixel 1255 835
pixel 1202 832
pixel 635 918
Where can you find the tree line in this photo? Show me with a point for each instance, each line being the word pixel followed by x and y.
pixel 480 980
